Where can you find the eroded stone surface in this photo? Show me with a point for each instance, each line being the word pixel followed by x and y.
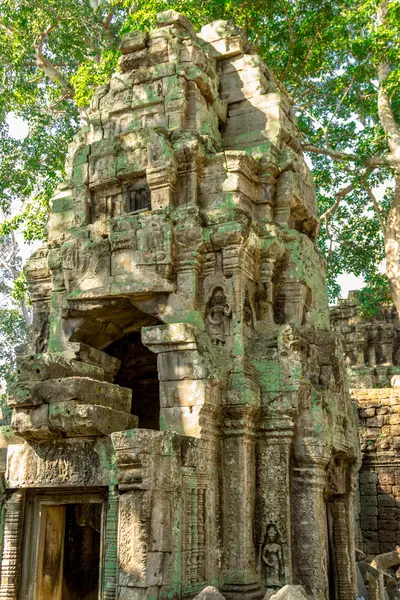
pixel 372 346
pixel 181 268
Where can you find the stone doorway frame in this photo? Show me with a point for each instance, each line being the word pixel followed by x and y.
pixel 35 499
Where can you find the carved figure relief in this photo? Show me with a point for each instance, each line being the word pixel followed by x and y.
pixel 218 317
pixel 272 557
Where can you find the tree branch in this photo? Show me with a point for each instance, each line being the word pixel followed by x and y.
pixel 371 161
pixel 7 29
pixel 291 44
pixel 47 67
pixel 385 111
pixel 341 194
pixel 377 207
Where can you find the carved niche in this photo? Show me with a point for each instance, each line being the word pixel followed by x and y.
pixel 272 558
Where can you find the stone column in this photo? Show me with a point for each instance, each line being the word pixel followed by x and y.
pixel 239 479
pixel 185 376
pixel 11 560
pixel 309 527
pixel 109 583
pixel 273 502
pixel 343 580
pixel 386 339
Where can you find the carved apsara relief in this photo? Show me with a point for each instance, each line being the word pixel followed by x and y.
pixel 218 317
pixel 272 557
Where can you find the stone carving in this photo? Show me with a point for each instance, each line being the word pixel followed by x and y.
pixel 111 556
pixel 195 543
pixel 218 315
pixel 371 345
pixel 272 557
pixel 182 359
pixel 11 559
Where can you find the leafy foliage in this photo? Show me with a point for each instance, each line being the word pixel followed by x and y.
pixel 375 295
pixel 326 53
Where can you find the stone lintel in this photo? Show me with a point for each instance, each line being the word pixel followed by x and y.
pixel 60 463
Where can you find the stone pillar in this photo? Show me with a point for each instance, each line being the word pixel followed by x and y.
pixel 386 339
pixel 11 559
pixel 360 347
pixel 239 481
pixel 109 583
pixel 372 342
pixel 185 377
pixel 309 527
pixel 343 576
pixel 273 511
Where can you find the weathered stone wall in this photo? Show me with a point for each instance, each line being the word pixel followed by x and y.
pixel 371 346
pixel 379 478
pixel 186 230
pixel 372 357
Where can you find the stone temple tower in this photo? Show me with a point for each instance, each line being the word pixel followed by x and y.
pixel 181 418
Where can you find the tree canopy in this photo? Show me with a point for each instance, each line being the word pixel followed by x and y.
pixel 339 61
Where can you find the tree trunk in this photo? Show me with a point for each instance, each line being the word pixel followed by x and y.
pixel 392 246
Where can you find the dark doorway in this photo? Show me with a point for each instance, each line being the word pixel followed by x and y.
pixel 81 552
pixel 139 373
pixel 68 566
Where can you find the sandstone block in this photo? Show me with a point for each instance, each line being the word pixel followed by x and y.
pixel 33 423
pixel 161 522
pixel 388 525
pixel 369 523
pixel 87 391
pixel 367 489
pixel 369 500
pixel 386 478
pixel 164 338
pixel 219 29
pixel 134 40
pixel 82 389
pixel 371 536
pixel 371 548
pixel 386 500
pixel 387 512
pixel 154 568
pixel 171 17
pixel 374 422
pixel 182 393
pixel 367 477
pixel 369 412
pixel 74 419
pixel 387 536
pixel 370 511
pixel 37 367
pixel 92 356
pixel 183 364
pixel 26 393
pixel 183 420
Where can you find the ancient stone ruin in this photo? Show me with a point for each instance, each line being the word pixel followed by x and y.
pixel 372 348
pixel 371 345
pixel 181 419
